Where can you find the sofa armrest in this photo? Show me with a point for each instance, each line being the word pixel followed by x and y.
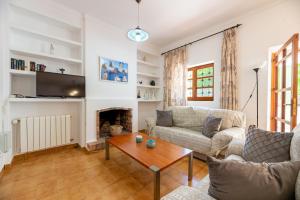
pixel 235 147
pixel 222 139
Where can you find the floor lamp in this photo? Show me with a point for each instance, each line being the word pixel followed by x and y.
pixel 256 72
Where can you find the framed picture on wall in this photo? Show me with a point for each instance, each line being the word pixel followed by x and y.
pixel 112 70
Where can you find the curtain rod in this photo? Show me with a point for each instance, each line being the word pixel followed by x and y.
pixel 236 26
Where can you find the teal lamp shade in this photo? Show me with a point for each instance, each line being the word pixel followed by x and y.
pixel 138 35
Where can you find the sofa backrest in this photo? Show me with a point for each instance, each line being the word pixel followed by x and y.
pixel 193 118
pixel 295 144
pixel 230 118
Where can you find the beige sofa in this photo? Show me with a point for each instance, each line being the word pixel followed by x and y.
pixel 187 126
pixel 234 153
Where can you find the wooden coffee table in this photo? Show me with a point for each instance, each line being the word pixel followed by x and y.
pixel 156 159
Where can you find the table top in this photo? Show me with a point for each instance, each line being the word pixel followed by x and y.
pixel 161 156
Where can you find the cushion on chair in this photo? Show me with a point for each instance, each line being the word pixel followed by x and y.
pixel 297 189
pixel 235 180
pixel 266 146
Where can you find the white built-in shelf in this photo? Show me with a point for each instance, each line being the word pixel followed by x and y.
pixel 45 55
pixel 36 100
pixel 147 75
pixel 148 52
pixel 147 63
pixel 148 100
pixel 46 17
pixel 149 86
pixel 47 36
pixel 21 72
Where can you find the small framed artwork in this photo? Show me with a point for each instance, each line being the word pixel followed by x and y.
pixel 112 70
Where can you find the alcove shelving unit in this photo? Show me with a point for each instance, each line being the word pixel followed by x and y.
pixel 43 39
pixel 56 42
pixel 148 70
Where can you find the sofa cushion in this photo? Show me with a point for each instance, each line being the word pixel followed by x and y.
pixel 295 144
pixel 184 137
pixel 227 116
pixel 266 146
pixel 297 189
pixel 211 126
pixel 234 180
pixel 164 118
pixel 185 117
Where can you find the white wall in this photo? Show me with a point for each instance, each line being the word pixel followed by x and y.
pixel 102 39
pixel 264 28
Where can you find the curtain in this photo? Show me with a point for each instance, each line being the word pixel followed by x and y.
pixel 175 78
pixel 229 71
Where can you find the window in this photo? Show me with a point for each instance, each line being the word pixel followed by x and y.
pixel 200 83
pixel 284 87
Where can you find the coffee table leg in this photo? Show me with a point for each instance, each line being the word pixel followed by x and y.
pixel 190 173
pixel 156 172
pixel 106 149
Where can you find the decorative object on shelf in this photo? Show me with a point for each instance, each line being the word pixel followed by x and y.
pixel 144 58
pixel 140 82
pixel 112 70
pixel 138 34
pixel 52 48
pixel 116 129
pixel 62 70
pixel 139 139
pixel 152 83
pixel 40 67
pixel 138 94
pixel 17 64
pixel 32 66
pixel 151 143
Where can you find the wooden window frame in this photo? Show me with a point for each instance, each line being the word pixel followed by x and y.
pixel 274 118
pixel 194 83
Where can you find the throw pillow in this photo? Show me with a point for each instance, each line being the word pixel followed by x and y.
pixel 235 180
pixel 164 118
pixel 267 146
pixel 211 126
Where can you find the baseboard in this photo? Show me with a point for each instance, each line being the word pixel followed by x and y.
pixel 24 156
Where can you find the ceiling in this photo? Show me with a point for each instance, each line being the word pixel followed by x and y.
pixel 165 20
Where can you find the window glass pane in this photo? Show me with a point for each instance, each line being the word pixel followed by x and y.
pixel 288 113
pixel 200 83
pixel 200 93
pixel 189 93
pixel 208 82
pixel 190 74
pixel 288 68
pixel 287 128
pixel 278 126
pixel 210 71
pixel 279 78
pixel 189 84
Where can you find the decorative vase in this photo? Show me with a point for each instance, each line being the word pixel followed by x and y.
pixel 151 143
pixel 138 139
pixel 152 83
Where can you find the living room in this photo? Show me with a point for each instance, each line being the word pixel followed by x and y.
pixel 141 99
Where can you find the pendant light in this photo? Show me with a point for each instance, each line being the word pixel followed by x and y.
pixel 138 34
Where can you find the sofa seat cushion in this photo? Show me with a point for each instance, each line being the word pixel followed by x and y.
pixel 184 137
pixel 187 193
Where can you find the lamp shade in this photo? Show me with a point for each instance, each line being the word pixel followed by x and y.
pixel 138 35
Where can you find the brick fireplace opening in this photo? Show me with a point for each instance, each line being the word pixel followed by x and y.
pixel 106 118
pixel 113 116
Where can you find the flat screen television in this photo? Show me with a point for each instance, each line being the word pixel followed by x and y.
pixel 59 85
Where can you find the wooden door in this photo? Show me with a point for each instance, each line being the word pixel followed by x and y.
pixel 284 87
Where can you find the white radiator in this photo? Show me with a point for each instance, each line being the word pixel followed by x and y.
pixel 37 133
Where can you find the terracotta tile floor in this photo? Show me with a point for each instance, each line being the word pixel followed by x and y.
pixel 73 174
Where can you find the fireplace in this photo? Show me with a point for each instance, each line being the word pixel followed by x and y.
pixel 108 117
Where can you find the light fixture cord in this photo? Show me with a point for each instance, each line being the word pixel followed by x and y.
pixel 138 14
